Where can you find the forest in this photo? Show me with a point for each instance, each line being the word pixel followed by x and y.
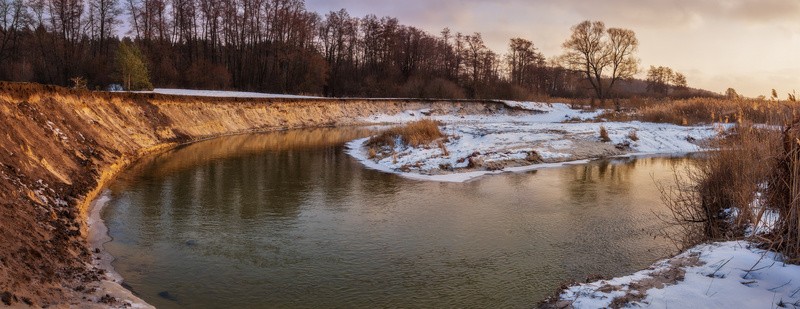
pixel 277 46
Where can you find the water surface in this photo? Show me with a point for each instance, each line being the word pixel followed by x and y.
pixel 288 220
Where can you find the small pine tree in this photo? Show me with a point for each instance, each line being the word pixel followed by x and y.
pixel 132 69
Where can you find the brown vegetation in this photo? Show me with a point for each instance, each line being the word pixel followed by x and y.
pixel 727 181
pixel 706 110
pixel 632 135
pixel 784 189
pixel 414 134
pixel 604 135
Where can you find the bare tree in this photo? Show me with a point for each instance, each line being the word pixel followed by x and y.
pixel 603 55
pixel 679 81
pixel 13 18
pixel 523 60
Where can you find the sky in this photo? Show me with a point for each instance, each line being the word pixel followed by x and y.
pixel 752 46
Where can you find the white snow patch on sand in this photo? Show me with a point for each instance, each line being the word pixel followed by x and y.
pixel 733 274
pixel 505 138
pixel 223 94
pixel 356 150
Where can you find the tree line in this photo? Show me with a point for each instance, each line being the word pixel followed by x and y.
pixel 279 46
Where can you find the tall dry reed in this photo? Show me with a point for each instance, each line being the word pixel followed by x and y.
pixel 705 197
pixel 784 195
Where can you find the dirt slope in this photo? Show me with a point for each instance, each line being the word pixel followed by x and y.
pixel 59 146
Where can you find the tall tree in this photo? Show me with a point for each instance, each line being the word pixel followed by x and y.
pixel 603 55
pixel 662 79
pixel 132 69
pixel 523 60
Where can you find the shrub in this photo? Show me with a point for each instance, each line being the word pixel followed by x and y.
pixel 727 181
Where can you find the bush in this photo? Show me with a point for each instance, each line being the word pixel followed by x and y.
pixel 727 181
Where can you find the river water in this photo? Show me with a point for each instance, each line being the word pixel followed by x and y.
pixel 288 220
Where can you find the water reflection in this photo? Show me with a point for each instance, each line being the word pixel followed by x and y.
pixel 297 223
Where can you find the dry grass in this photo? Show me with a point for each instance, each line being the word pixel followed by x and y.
pixel 421 132
pixel 784 195
pixel 632 135
pixel 707 110
pixel 604 135
pixel 753 171
pixel 703 196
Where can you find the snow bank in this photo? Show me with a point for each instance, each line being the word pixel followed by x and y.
pixel 356 150
pixel 731 274
pixel 224 94
pixel 507 142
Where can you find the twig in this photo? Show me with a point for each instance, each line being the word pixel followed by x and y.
pixel 780 286
pixel 709 285
pixel 754 265
pixel 795 292
pixel 720 267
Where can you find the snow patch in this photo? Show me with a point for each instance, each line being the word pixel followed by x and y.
pixel 732 274
pixel 509 141
pixel 224 94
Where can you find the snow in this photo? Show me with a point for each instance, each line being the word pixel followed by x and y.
pixel 733 274
pixel 223 94
pixel 355 149
pixel 556 133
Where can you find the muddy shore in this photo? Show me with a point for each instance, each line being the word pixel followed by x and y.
pixel 62 146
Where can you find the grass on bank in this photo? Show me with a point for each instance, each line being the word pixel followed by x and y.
pixel 705 110
pixel 416 133
pixel 756 170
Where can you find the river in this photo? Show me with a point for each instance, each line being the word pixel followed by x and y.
pixel 289 220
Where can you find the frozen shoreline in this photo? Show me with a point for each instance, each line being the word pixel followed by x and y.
pixel 733 274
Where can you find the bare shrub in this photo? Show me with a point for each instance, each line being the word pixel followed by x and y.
pixel 704 196
pixel 420 132
pixel 78 83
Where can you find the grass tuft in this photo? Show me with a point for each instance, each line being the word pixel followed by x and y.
pixel 604 135
pixel 633 136
pixel 415 134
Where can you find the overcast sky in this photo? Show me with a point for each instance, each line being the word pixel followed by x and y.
pixel 750 45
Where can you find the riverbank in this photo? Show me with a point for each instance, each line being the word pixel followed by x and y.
pixel 734 274
pixel 62 146
pixel 477 145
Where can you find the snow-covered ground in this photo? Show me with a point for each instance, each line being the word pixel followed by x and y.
pixel 502 143
pixel 224 94
pixel 731 274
